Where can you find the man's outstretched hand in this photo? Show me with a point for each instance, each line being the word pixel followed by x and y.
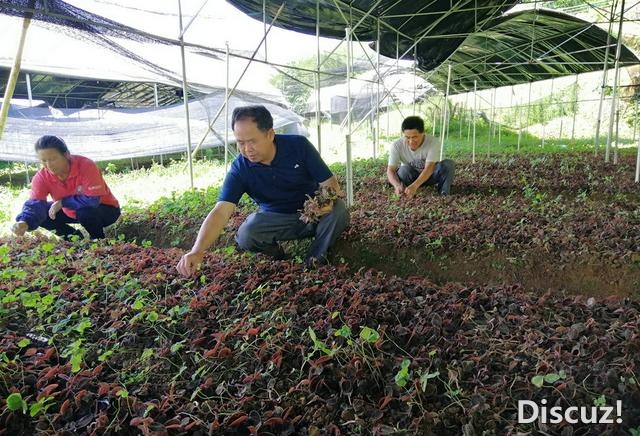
pixel 190 263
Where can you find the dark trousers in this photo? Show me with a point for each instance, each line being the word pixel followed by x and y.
pixel 442 176
pixel 261 230
pixel 94 220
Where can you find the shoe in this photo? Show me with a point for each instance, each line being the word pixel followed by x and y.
pixel 314 262
pixel 275 251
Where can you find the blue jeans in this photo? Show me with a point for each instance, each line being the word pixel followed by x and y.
pixel 442 176
pixel 94 220
pixel 261 231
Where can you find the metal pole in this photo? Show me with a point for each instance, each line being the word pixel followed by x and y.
pixel 433 121
pixel 529 108
pixel 318 65
pixel 29 93
pixel 615 145
pixel 544 121
pixel 445 111
pixel 185 96
pixel 519 124
pixel 348 137
pixel 575 111
pixel 264 26
pixel 638 163
pixel 492 124
pixel 616 79
pixel 635 118
pixel 461 115
pixel 605 73
pixel 156 103
pixel 226 113
pixel 376 144
pixel 475 111
pixel 468 116
pixel 15 70
pixel 415 70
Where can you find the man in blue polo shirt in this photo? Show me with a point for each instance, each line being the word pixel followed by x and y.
pixel 277 172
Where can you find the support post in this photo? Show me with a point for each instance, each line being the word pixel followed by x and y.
pixel 475 111
pixel 605 73
pixel 318 79
pixel 445 111
pixel 616 79
pixel 15 70
pixel 185 96
pixel 349 169
pixel 575 111
pixel 227 124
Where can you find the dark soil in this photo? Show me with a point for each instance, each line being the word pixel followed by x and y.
pixel 539 272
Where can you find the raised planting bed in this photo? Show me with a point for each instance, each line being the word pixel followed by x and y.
pixel 107 339
pixel 562 223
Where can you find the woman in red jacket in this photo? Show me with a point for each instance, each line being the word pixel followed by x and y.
pixel 79 194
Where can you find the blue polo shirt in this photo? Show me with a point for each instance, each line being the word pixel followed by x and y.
pixel 282 186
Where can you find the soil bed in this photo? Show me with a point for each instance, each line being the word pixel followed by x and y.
pixel 537 272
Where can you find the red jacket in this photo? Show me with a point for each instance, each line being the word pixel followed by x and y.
pixel 84 178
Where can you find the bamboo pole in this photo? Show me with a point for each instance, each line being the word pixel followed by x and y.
pixel 15 70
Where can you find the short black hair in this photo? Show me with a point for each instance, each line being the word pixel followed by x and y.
pixel 257 113
pixel 50 141
pixel 413 122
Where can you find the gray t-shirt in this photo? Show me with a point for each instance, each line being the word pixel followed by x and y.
pixel 400 153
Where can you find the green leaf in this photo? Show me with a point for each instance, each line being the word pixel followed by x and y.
pixel 424 378
pixel 368 334
pixel 344 331
pixel 104 356
pixel 537 380
pixel 152 316
pixel 552 378
pixel 147 353
pixel 601 401
pixel 84 324
pixel 15 402
pixel 176 347
pixel 401 379
pixel 24 342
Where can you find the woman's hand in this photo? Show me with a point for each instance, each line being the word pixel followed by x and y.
pixel 19 228
pixel 54 209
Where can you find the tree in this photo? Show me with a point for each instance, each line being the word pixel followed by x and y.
pixel 297 82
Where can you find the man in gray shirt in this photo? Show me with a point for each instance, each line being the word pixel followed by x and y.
pixel 414 161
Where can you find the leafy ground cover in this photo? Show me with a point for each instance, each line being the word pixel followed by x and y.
pixel 568 222
pixel 106 339
pixel 477 301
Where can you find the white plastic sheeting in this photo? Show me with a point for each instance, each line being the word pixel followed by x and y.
pixel 110 134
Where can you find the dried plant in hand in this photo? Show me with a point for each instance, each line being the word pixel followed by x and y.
pixel 314 207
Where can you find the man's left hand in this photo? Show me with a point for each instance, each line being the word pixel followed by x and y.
pixel 410 191
pixel 326 209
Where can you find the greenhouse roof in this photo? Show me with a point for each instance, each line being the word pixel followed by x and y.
pixel 480 39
